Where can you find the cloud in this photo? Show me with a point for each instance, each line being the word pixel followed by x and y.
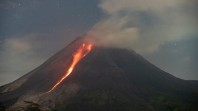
pixel 19 55
pixel 144 25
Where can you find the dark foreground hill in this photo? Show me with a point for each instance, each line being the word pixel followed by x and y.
pixel 107 79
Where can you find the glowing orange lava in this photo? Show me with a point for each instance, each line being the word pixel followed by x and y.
pixel 84 49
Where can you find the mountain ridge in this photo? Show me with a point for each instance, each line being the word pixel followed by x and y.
pixel 105 79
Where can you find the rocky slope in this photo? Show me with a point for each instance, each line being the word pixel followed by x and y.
pixel 107 79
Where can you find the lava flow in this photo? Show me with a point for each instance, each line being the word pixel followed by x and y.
pixel 84 49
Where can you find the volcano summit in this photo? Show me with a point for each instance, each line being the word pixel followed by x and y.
pixel 84 77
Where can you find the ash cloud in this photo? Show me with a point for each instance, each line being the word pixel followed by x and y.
pixel 145 25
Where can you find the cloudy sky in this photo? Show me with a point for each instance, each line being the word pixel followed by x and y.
pixel 163 31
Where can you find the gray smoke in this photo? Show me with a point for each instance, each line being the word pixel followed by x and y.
pixel 144 25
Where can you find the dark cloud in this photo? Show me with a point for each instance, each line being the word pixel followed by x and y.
pixel 47 16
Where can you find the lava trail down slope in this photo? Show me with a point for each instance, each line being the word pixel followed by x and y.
pixel 100 79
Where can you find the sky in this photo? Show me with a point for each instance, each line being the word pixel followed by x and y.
pixel 162 31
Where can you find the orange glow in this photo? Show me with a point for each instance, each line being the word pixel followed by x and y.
pixel 84 49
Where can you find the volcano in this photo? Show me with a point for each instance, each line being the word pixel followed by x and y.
pixel 103 79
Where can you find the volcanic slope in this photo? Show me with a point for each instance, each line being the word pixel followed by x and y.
pixel 106 79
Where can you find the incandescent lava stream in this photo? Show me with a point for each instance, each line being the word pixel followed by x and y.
pixel 81 52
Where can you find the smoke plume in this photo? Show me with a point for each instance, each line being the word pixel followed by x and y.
pixel 145 25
